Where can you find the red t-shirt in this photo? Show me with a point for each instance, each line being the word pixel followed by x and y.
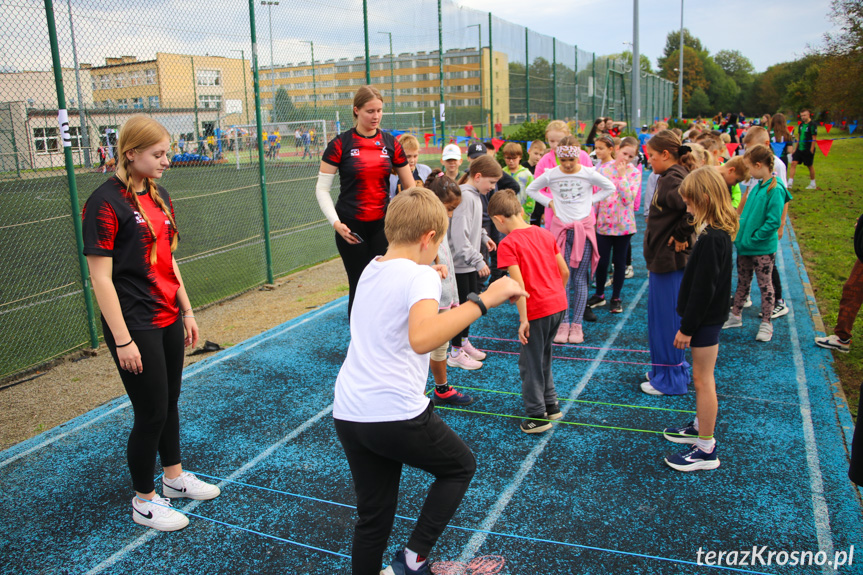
pixel 534 251
pixel 113 228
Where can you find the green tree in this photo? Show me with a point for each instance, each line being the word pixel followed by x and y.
pixel 735 64
pixel 699 104
pixel 693 74
pixel 671 53
pixel 283 108
pixel 839 86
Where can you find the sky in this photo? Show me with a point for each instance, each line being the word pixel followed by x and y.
pixel 745 25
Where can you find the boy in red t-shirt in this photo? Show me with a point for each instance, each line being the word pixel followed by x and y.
pixel 532 258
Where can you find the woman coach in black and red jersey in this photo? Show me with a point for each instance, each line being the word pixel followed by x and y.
pixel 364 158
pixel 129 237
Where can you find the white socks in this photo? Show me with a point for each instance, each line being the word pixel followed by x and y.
pixel 705 445
pixel 413 560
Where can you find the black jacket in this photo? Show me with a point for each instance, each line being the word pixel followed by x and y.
pixel 706 286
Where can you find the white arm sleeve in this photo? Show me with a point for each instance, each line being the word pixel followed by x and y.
pixel 325 201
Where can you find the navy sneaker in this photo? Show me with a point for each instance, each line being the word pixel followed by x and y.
pixel 596 301
pixel 693 459
pixel 685 434
pixel 399 567
pixel 589 315
pixel 536 424
pixel 552 411
pixel 616 306
pixel 452 397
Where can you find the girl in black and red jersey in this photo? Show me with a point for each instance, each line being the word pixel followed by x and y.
pixel 129 234
pixel 364 158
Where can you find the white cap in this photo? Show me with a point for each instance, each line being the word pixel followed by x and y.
pixel 451 152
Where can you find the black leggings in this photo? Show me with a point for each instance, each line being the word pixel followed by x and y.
pixel 356 257
pixel 154 393
pixel 465 283
pixel 376 453
pixel 620 246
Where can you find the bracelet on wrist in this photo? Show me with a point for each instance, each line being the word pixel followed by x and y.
pixel 188 317
pixel 131 341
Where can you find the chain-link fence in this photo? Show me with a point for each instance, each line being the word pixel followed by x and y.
pixel 193 68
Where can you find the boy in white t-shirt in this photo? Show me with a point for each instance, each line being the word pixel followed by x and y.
pixel 382 417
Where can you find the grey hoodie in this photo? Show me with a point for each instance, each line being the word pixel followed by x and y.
pixel 466 233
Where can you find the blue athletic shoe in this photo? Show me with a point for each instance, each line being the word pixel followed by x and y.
pixel 399 567
pixel 686 434
pixel 452 397
pixel 693 460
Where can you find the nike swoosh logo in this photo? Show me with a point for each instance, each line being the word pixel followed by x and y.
pixel 149 514
pixel 183 490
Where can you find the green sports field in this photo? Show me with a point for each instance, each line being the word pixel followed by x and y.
pixel 221 251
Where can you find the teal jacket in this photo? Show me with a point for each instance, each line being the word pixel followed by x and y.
pixel 759 222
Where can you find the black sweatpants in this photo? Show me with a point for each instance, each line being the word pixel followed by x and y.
pixel 355 257
pixel 154 394
pixel 465 283
pixel 618 246
pixel 376 453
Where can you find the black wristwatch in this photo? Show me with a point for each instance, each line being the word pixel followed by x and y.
pixel 478 301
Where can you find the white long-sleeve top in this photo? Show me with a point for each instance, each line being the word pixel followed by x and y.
pixel 572 193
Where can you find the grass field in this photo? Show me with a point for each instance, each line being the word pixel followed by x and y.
pixel 824 222
pixel 221 252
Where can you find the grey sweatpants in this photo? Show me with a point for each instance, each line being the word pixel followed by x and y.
pixel 534 365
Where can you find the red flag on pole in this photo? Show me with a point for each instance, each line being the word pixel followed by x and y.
pixel 427 138
pixel 790 129
pixel 581 126
pixel 665 120
pixel 821 123
pixel 497 143
pixel 827 127
pixel 731 148
pixel 824 146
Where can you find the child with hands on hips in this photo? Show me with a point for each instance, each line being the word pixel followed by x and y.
pixel 572 198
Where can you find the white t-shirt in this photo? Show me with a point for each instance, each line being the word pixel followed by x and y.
pixel 572 193
pixel 383 378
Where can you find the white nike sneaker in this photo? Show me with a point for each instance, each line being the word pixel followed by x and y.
pixel 158 514
pixel 187 485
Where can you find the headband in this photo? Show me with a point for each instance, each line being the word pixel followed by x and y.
pixel 567 151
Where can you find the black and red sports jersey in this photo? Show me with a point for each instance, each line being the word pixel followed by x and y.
pixel 115 229
pixel 365 164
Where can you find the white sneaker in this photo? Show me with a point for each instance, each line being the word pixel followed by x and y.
pixel 187 485
pixel 630 273
pixel 748 302
pixel 811 185
pixel 649 389
pixel 790 182
pixel 158 514
pixel 463 360
pixel 473 352
pixel 833 342
pixel 733 321
pixel 765 332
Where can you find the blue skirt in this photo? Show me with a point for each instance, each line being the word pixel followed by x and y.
pixel 662 325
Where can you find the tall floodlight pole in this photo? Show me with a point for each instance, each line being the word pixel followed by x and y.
pixel 392 75
pixel 680 77
pixel 491 121
pixel 636 70
pixel 84 129
pixel 269 4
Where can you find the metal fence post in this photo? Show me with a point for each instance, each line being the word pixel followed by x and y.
pixel 490 79
pixel 63 119
pixel 440 74
pixel 526 75
pixel 554 76
pixel 593 97
pixel 366 37
pixel 261 168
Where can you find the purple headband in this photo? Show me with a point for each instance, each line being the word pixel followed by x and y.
pixel 567 151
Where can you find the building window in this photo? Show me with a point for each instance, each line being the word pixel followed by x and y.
pixel 93 82
pixel 123 104
pixel 209 77
pixel 75 136
pixel 211 101
pixel 153 101
pixel 105 82
pixel 135 78
pixel 137 103
pixel 46 140
pixel 119 80
pixel 150 76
